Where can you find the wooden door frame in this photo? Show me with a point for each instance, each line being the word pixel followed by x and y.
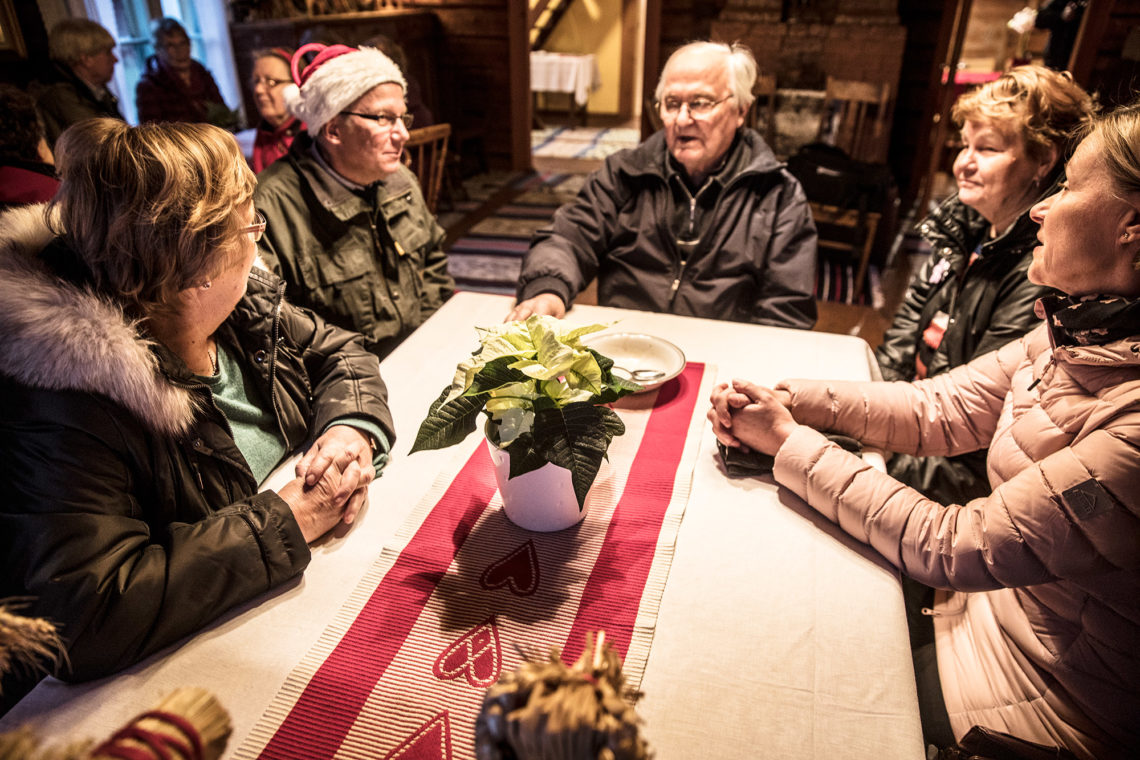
pixel 936 113
pixel 518 53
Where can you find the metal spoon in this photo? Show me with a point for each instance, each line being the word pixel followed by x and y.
pixel 643 375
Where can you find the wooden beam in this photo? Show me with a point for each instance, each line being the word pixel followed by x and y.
pixel 518 60
pixel 535 12
pixel 652 61
pixel 1085 48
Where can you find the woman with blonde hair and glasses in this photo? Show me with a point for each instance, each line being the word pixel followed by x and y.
pixel 1037 616
pixel 151 375
pixel 971 295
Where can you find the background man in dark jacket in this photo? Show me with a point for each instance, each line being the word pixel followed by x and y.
pixel 348 227
pixel 75 88
pixel 701 219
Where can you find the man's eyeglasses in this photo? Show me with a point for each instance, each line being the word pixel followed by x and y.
pixel 699 108
pixel 269 82
pixel 385 120
pixel 257 229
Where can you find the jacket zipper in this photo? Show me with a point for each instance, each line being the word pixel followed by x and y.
pixel 1052 354
pixel 692 230
pixel 273 363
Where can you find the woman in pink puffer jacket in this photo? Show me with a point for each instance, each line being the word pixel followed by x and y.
pixel 1037 613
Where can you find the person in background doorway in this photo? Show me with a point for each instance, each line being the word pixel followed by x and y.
pixel 278 127
pixel 75 88
pixel 700 220
pixel 175 87
pixel 971 295
pixel 27 173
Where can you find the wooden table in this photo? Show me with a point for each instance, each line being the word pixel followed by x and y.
pixel 777 636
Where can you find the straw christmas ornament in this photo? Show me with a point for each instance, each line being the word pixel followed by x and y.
pixel 189 724
pixel 545 710
pixel 27 643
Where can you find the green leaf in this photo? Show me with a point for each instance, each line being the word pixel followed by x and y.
pixel 447 423
pixel 576 437
pixel 495 374
pixel 524 457
pixel 615 389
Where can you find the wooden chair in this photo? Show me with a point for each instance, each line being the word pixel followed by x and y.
pixel 854 118
pixel 426 154
pixel 849 230
pixel 764 92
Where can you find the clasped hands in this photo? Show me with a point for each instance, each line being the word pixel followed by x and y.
pixel 332 481
pixel 748 416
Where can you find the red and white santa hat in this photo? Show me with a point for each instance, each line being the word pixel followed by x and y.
pixel 335 79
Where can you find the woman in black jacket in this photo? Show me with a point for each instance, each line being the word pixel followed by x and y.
pixel 972 296
pixel 150 377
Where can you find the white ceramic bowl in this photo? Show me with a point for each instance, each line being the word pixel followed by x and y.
pixel 637 351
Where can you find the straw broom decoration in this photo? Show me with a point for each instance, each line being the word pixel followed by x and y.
pixel 545 710
pixel 189 724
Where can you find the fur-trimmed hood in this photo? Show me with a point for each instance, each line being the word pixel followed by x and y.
pixel 56 335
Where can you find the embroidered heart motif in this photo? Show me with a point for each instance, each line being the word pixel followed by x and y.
pixel 431 741
pixel 476 656
pixel 518 571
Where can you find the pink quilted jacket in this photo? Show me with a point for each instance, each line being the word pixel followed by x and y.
pixel 1038 629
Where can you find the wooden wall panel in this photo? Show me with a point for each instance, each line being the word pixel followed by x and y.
pixel 457 50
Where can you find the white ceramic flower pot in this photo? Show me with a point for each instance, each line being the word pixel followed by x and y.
pixel 541 500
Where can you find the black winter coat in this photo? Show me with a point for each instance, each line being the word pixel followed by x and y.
pixel 130 518
pixel 989 303
pixel 63 99
pixel 754 261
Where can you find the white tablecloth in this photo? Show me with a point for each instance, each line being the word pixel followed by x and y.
pixel 563 72
pixel 777 636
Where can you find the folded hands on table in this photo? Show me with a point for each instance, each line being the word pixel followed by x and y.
pixel 748 416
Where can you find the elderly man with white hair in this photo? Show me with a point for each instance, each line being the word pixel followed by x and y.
pixel 348 228
pixel 74 87
pixel 701 219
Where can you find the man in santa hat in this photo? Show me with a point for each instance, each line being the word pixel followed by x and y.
pixel 347 227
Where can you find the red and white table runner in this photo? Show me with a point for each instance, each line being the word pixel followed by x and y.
pixel 462 594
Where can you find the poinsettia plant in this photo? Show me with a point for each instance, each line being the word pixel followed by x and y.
pixel 544 393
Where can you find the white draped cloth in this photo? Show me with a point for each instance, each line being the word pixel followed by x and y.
pixel 564 72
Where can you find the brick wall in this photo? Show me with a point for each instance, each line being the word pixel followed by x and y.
pixel 846 39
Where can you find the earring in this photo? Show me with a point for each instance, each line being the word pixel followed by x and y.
pixel 206 285
pixel 1127 236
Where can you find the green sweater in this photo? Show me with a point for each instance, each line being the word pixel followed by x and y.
pixel 253 425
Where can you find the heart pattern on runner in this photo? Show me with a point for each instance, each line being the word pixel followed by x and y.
pixel 518 571
pixel 431 741
pixel 476 655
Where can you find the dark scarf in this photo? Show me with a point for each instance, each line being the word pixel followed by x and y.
pixel 1091 320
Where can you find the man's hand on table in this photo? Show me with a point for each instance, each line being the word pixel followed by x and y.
pixel 543 303
pixel 749 416
pixel 332 481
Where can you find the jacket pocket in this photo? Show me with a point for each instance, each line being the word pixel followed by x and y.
pixel 347 291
